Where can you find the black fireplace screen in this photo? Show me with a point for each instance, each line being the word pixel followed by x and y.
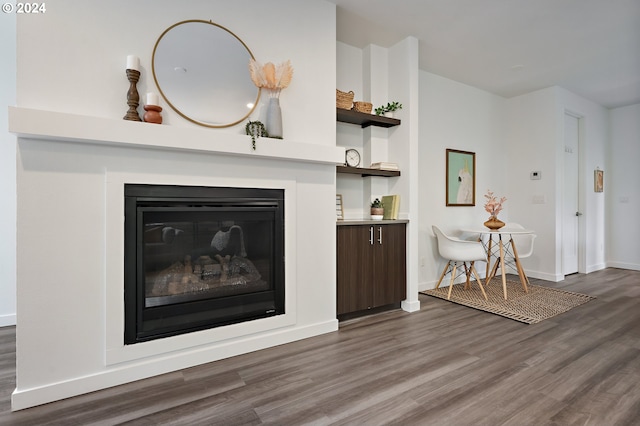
pixel 201 257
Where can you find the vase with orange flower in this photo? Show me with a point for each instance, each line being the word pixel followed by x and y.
pixel 493 206
pixel 272 78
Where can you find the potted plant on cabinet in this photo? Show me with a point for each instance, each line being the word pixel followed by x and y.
pixel 377 211
pixel 388 109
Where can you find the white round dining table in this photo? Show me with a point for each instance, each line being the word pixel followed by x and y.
pixel 503 251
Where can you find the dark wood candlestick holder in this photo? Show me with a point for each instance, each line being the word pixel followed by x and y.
pixel 133 98
pixel 153 114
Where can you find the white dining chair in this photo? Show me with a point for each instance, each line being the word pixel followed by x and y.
pixel 523 242
pixel 459 252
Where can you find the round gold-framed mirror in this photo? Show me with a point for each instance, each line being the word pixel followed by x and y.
pixel 201 70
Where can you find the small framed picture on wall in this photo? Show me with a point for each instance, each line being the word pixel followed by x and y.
pixel 598 181
pixel 461 178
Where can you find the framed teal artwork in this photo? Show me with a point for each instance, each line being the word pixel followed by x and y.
pixel 461 178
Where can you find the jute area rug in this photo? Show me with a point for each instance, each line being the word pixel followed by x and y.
pixel 539 304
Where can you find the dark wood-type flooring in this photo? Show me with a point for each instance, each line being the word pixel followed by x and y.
pixel 444 365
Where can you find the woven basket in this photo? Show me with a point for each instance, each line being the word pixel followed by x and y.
pixel 344 100
pixel 362 107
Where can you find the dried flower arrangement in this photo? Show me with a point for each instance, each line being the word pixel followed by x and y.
pixel 493 206
pixel 271 77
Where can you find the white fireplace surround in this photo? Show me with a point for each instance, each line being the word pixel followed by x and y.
pixel 71 172
pixel 117 352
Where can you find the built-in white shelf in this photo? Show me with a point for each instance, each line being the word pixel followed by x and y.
pixel 51 125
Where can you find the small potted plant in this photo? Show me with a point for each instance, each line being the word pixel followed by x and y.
pixel 377 211
pixel 255 129
pixel 388 109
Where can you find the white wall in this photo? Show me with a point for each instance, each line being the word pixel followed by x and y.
pixel 65 332
pixel 511 138
pixel 531 146
pixel 403 149
pixel 84 44
pixel 535 142
pixel 621 178
pixel 456 116
pixel 349 77
pixel 7 173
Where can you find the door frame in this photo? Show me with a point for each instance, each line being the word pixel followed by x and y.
pixel 581 191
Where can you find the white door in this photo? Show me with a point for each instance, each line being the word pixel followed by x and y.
pixel 570 213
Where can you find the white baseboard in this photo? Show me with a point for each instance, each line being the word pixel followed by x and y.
pixel 624 265
pixel 410 306
pixel 596 267
pixel 545 276
pixel 7 320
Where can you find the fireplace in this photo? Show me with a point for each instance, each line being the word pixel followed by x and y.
pixel 200 257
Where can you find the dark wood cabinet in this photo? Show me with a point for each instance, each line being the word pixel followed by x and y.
pixel 371 267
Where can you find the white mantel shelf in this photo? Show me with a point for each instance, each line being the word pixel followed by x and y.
pixel 59 126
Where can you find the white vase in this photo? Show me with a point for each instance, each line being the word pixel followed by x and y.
pixel 389 114
pixel 274 118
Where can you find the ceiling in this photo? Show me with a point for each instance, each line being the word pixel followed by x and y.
pixel 511 47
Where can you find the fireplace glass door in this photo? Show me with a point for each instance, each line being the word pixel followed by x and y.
pixel 197 258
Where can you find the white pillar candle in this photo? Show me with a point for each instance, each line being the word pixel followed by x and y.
pixel 133 63
pixel 153 99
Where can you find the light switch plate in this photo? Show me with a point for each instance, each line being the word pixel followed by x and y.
pixel 535 175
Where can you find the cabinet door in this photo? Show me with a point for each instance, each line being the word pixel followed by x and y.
pixel 354 268
pixel 390 282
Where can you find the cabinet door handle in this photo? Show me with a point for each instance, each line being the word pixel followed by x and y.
pixel 371 235
pixel 380 235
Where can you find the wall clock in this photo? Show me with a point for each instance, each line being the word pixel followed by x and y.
pixel 352 158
